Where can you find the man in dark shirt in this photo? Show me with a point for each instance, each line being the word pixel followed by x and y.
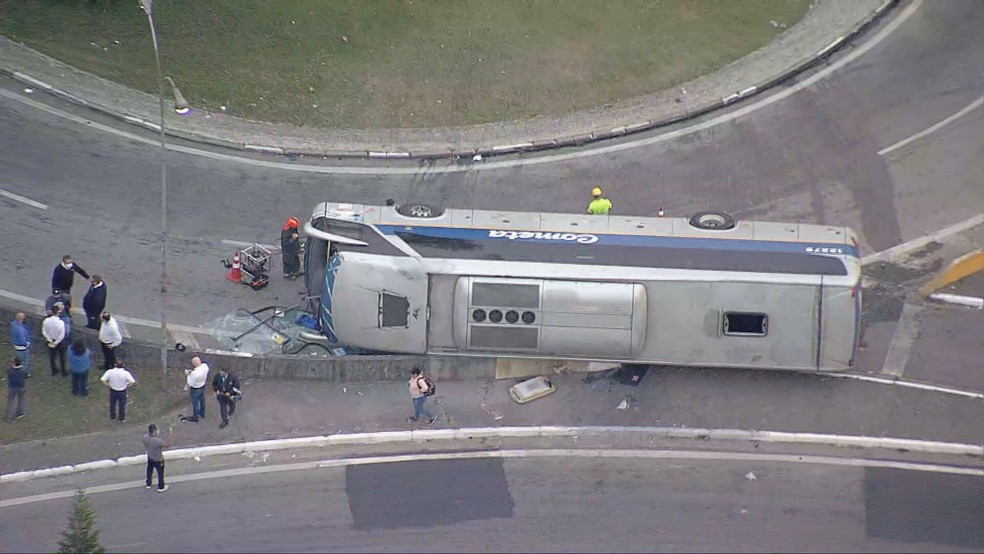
pixel 16 389
pixel 57 296
pixel 63 276
pixel 155 446
pixel 94 302
pixel 290 246
pixel 226 388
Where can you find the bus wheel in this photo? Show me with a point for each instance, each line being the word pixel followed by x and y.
pixel 419 210
pixel 715 221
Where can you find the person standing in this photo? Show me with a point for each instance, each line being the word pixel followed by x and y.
pixel 290 247
pixel 418 394
pixel 67 320
pixel 20 336
pixel 110 338
pixel 196 380
pixel 80 361
pixel 94 302
pixel 16 389
pixel 53 329
pixel 155 445
pixel 57 296
pixel 599 204
pixel 226 388
pixel 118 379
pixel 63 276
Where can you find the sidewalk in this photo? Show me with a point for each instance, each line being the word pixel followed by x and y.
pixel 732 399
pixel 828 25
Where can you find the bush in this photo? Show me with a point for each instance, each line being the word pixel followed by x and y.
pixel 81 537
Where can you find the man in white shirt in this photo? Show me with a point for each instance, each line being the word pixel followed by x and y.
pixel 118 379
pixel 197 378
pixel 53 330
pixel 110 338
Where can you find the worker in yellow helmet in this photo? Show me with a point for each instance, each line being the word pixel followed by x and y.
pixel 599 204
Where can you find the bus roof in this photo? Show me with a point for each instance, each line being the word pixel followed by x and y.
pixel 752 246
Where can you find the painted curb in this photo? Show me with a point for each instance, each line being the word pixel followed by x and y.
pixel 962 267
pixel 782 437
pixel 971 301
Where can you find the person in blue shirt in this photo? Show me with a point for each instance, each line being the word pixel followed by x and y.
pixel 67 318
pixel 80 360
pixel 16 389
pixel 20 336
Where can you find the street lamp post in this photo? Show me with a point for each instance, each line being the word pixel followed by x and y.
pixel 148 7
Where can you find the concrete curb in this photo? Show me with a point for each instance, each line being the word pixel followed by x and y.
pixel 520 145
pixel 909 445
pixel 971 301
pixel 964 266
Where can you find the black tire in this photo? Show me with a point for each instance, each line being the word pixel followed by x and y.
pixel 417 209
pixel 712 221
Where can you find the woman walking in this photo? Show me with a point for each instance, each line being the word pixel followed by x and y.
pixel 80 361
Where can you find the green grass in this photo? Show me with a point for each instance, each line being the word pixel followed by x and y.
pixel 52 411
pixel 409 63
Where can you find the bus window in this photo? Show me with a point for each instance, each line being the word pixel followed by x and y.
pixel 745 324
pixel 394 310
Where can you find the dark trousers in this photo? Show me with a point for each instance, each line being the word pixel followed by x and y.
pixel 80 384
pixel 117 397
pixel 92 320
pixel 159 466
pixel 109 356
pixel 58 353
pixel 227 407
pixel 292 262
pixel 15 403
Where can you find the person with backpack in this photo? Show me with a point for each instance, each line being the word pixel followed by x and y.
pixel 421 387
pixel 227 392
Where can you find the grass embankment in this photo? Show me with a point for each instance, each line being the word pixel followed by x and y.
pixel 52 411
pixel 410 63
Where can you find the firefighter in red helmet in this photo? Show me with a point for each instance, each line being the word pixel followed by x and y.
pixel 290 246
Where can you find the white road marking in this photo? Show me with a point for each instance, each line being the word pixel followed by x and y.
pixel 23 200
pixel 506 454
pixel 907 384
pixel 34 302
pixel 917 243
pixel 245 244
pixel 933 128
pixel 903 338
pixel 502 164
pixel 187 339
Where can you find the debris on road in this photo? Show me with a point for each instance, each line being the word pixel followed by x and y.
pixel 531 389
pixel 494 414
pixel 623 405
pixel 750 476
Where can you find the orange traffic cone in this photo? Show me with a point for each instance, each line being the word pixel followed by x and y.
pixel 660 212
pixel 236 271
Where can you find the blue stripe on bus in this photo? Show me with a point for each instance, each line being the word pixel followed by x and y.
pixel 327 323
pixel 625 240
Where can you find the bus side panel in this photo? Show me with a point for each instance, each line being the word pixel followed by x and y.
pixel 840 319
pixel 362 289
pixel 686 324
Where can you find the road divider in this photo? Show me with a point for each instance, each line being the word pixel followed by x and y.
pixel 424 436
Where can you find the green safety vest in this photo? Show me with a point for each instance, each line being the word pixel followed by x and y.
pixel 600 206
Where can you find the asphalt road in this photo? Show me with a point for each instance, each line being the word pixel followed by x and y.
pixel 543 504
pixel 810 157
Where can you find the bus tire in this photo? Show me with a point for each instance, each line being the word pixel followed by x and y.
pixel 712 221
pixel 417 209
